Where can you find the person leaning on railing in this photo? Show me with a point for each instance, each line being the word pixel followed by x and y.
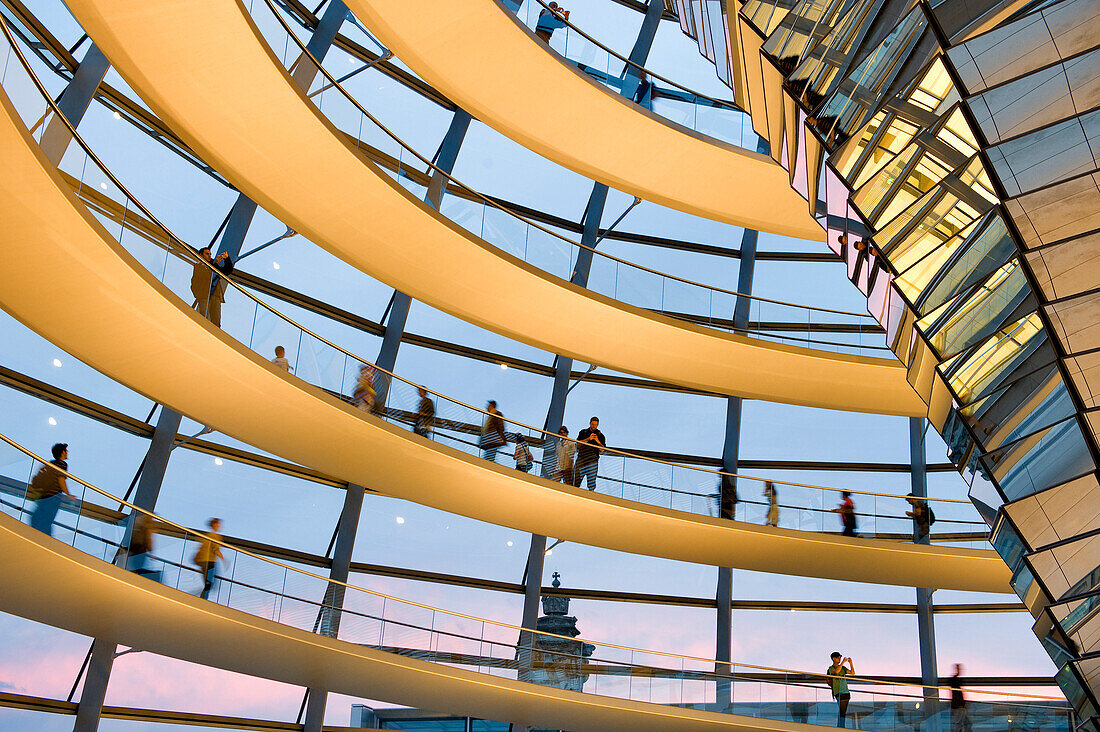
pixel 550 20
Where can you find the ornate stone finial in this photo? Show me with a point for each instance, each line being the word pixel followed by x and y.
pixel 557 580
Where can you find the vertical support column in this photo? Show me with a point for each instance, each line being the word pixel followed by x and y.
pixel 632 77
pixel 926 625
pixel 95 686
pixel 399 309
pixel 555 414
pixel 103 651
pixel 74 102
pixel 305 71
pixel 156 462
pixel 731 448
pixel 532 588
pixel 346 530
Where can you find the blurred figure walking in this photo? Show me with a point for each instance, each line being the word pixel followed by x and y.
pixel 847 511
pixel 206 558
pixel 48 488
pixel 141 547
pixel 960 716
pixel 727 497
pixel 773 504
pixel 425 414
pixel 363 396
pixel 492 432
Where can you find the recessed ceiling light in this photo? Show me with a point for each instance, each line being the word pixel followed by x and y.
pixel 400 519
pixel 57 362
pixel 118 116
pixel 275 265
pixel 218 462
pixel 509 543
pixel 103 185
pixel 52 421
pixel 504 367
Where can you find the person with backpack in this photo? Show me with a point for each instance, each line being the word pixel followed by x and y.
pixel 847 511
pixel 922 516
pixel 523 457
pixel 48 488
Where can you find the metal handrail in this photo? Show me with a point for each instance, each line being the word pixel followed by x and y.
pixel 189 254
pixel 490 202
pixel 716 102
pixel 331 581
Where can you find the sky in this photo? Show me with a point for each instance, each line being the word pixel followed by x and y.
pixel 278 509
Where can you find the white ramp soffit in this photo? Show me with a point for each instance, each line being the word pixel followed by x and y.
pixel 53 583
pixel 201 66
pixel 480 56
pixel 66 278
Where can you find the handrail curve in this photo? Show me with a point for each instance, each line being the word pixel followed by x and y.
pixel 535 632
pixel 188 253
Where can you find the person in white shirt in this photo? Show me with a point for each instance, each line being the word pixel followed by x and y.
pixel 280 359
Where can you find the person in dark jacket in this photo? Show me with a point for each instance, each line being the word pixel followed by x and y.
pixel 589 443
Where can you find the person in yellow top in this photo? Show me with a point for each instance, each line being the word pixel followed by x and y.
pixel 773 504
pixel 206 558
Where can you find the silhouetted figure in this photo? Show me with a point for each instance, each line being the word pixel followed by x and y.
pixel 960 716
pixel 48 489
pixel 727 497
